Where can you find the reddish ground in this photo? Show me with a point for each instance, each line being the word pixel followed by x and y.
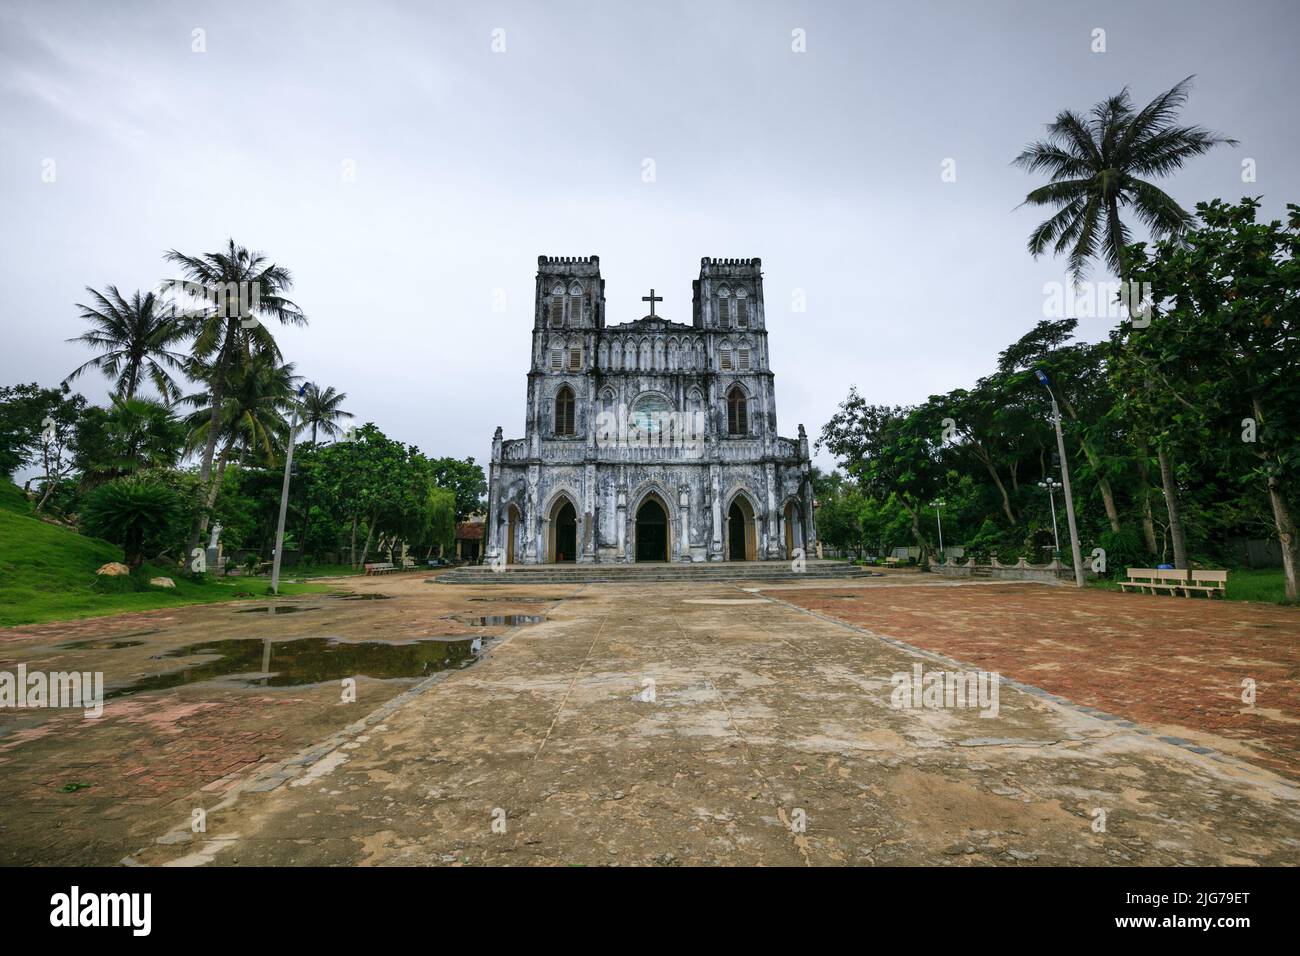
pixel 1161 661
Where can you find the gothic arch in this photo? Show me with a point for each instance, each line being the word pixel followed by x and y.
pixel 652 486
pixel 794 527
pixel 741 521
pixel 554 506
pixel 744 491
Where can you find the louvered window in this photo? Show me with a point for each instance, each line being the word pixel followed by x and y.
pixel 564 411
pixel 737 412
pixel 725 355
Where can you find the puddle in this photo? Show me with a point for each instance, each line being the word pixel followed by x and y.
pixel 251 662
pixel 98 645
pixel 519 600
pixel 276 609
pixel 503 620
pixel 366 597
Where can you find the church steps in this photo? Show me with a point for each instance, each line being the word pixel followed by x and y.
pixel 613 574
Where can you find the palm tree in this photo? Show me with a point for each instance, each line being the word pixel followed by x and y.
pixel 320 409
pixel 133 339
pixel 223 331
pixel 1098 164
pixel 132 435
pixel 253 421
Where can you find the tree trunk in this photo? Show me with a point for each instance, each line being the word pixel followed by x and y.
pixel 352 554
pixel 1171 502
pixel 1286 534
pixel 1103 485
pixel 1144 492
pixel 916 533
pixel 1002 490
pixel 216 393
pixel 370 535
pixel 1286 530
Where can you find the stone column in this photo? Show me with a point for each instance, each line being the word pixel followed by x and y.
pixel 494 495
pixel 684 505
pixel 588 553
pixel 715 493
pixel 532 553
pixel 620 516
pixel 773 549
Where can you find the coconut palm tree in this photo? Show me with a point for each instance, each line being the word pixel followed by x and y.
pixel 320 409
pixel 133 338
pixel 239 289
pixel 253 422
pixel 1098 165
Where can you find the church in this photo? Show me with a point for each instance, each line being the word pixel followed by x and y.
pixel 651 440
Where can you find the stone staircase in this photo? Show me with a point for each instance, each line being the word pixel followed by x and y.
pixel 724 572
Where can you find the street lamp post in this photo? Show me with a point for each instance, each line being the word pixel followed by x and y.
pixel 1065 481
pixel 1051 484
pixel 284 498
pixel 937 505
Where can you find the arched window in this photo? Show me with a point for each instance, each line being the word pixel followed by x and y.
pixel 564 411
pixel 737 412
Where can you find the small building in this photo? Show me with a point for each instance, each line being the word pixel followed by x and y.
pixel 469 538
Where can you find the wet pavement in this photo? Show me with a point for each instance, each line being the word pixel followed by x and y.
pixel 650 725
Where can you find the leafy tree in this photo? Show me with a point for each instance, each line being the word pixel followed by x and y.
pixel 128 436
pixel 463 477
pixel 36 428
pixel 890 451
pixel 1096 165
pixel 134 338
pixel 1225 343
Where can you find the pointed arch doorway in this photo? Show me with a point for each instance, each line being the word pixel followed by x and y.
pixel 512 529
pixel 651 530
pixel 793 528
pixel 564 532
pixel 742 542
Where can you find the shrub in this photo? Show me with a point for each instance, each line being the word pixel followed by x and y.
pixel 138 513
pixel 1123 550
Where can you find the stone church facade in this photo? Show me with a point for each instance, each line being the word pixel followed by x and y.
pixel 651 440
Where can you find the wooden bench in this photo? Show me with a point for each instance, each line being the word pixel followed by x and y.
pixel 1210 582
pixel 408 564
pixel 1138 578
pixel 891 560
pixel 380 568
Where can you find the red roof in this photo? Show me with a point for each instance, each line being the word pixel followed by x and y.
pixel 470 531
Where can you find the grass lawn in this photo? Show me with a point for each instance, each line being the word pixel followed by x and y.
pixel 47 573
pixel 1248 584
pixel 320 571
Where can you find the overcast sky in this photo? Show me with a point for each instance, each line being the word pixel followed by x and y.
pixel 469 163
